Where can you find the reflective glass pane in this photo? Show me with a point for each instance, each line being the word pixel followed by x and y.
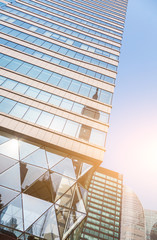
pixel 29 174
pixel 10 84
pixel 85 168
pixel 6 163
pixel 46 226
pixel 66 199
pixel 12 145
pixel 97 137
pixel 21 88
pixel 65 167
pixel 58 123
pixel 19 110
pixel 53 158
pixel 62 215
pixel 71 128
pixel 6 195
pixel 6 105
pixel 67 104
pixel 60 185
pixel 45 119
pixel 32 92
pixel 37 158
pixel 3 139
pixel 11 215
pixel 34 210
pixel 44 96
pixel 32 114
pixel 78 203
pixel 26 149
pixel 55 100
pixel 11 178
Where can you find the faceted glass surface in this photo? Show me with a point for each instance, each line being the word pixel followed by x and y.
pixel 65 167
pixel 5 163
pixel 10 149
pixel 37 158
pixel 53 158
pixel 62 215
pixel 6 195
pixel 26 149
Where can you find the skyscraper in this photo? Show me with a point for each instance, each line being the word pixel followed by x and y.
pixel 58 68
pixel 151 224
pixel 104 206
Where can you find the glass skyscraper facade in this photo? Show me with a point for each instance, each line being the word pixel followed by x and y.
pixel 151 224
pixel 58 66
pixel 104 206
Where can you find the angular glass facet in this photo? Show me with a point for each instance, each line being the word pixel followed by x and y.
pixel 85 168
pixel 33 208
pixel 9 232
pixel 11 215
pixel 78 203
pixel 46 226
pixel 3 139
pixel 77 165
pixel 6 195
pixel 10 149
pixel 5 163
pixel 29 174
pixel 37 158
pixel 62 215
pixel 65 167
pixel 74 219
pixel 60 185
pixel 26 149
pixel 11 178
pixel 53 158
pixel 41 188
pixel 83 192
pixel 66 199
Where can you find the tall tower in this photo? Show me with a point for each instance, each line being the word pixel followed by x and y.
pixel 58 63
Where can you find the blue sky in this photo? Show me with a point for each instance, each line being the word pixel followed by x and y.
pixel 132 137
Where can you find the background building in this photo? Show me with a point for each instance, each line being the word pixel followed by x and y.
pixel 133 219
pixel 104 206
pixel 58 63
pixel 151 224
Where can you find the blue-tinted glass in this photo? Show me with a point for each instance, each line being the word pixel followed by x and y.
pixel 21 88
pixel 44 75
pixel 67 104
pixel 46 57
pixel 6 105
pixel 65 82
pixel 55 79
pixel 46 45
pixel 32 114
pixel 45 119
pixel 14 64
pixel 39 42
pixel 12 45
pixel 84 90
pixel 74 86
pixel 29 51
pixel 32 92
pixel 30 39
pixel 5 60
pixel 38 54
pixel 2 79
pixel 58 124
pixel 20 47
pixel 44 96
pixel 24 68
pixel 22 36
pixel 55 100
pixel 34 72
pixel 19 110
pixel 71 128
pixel 10 84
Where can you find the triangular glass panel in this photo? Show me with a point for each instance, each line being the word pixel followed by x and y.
pixel 53 158
pixel 22 237
pixel 65 167
pixel 85 168
pixel 60 185
pixel 37 158
pixel 84 193
pixel 62 215
pixel 10 149
pixel 41 188
pixel 11 215
pixel 77 165
pixel 46 226
pixel 3 139
pixel 6 162
pixel 29 174
pixel 33 208
pixel 66 199
pixel 11 178
pixel 74 219
pixel 78 203
pixel 8 233
pixel 6 195
pixel 26 149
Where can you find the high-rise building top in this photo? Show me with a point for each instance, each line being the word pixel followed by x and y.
pixel 104 206
pixel 58 66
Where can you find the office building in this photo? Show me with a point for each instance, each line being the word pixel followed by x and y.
pixel 58 63
pixel 104 206
pixel 133 219
pixel 151 224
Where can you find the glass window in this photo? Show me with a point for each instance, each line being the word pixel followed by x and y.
pixel 14 64
pixel 75 86
pixel 77 108
pixel 67 104
pixel 44 96
pixel 55 100
pixel 34 72
pixel 58 124
pixel 55 79
pixel 6 105
pixel 97 137
pixel 45 119
pixel 84 90
pixel 19 110
pixel 10 84
pixel 24 68
pixel 65 82
pixel 32 92
pixel 71 128
pixel 32 114
pixel 5 60
pixel 21 88
pixel 2 80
